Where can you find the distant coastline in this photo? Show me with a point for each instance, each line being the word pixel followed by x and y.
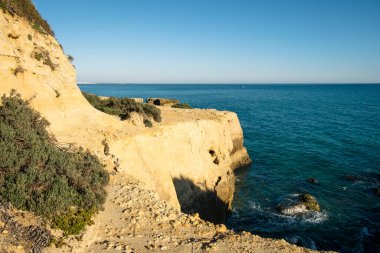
pixel 235 84
pixel 85 83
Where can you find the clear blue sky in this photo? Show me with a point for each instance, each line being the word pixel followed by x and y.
pixel 218 41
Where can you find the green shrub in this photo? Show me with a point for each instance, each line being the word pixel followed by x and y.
pixel 148 123
pixel 182 106
pixel 70 58
pixel 38 176
pixel 73 222
pixel 152 111
pixel 122 107
pixel 27 10
pixel 37 55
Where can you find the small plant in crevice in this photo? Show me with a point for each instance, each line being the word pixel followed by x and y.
pixel 37 55
pixel 30 37
pixel 70 58
pixel 38 176
pixel 43 55
pixel 18 69
pixel 106 150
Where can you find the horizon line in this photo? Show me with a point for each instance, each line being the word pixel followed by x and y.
pixel 215 83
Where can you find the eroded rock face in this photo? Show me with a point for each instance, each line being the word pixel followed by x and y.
pixel 202 146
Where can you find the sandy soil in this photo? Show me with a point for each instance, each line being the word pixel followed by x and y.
pixel 136 220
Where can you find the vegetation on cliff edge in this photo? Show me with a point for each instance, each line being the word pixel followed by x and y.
pixel 64 186
pixel 182 106
pixel 26 9
pixel 123 107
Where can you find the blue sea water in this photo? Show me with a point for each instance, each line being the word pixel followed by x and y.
pixel 295 132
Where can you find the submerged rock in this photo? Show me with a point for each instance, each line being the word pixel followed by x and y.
pixel 313 180
pixel 364 178
pixel 351 177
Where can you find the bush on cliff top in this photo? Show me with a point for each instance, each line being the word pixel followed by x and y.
pixel 182 106
pixel 122 107
pixel 38 176
pixel 26 9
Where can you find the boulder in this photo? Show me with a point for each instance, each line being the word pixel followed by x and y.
pixel 309 202
pixel 298 204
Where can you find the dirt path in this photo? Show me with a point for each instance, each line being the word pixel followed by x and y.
pixel 135 220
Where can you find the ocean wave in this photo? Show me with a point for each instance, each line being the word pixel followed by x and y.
pixel 298 240
pixel 292 213
pixel 315 217
pixel 306 217
pixel 293 210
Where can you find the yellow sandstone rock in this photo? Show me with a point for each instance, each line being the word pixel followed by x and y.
pixel 190 153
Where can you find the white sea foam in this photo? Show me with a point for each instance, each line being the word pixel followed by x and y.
pixel 291 214
pixel 306 242
pixel 293 210
pixel 315 217
pixel 255 206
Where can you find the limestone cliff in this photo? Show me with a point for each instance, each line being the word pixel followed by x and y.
pixel 188 158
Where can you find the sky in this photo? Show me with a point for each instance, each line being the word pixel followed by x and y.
pixel 219 41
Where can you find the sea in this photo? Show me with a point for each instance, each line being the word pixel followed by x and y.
pixel 330 133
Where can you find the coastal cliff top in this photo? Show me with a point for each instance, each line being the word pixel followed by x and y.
pixel 27 10
pixel 136 220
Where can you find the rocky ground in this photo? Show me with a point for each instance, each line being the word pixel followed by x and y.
pixel 21 231
pixel 135 220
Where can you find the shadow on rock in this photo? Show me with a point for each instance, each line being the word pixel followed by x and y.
pixel 193 199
